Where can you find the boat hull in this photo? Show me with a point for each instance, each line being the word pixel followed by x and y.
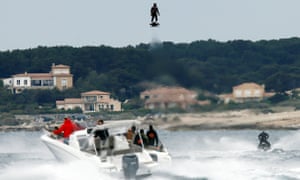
pixel 65 154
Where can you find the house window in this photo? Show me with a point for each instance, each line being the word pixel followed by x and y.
pixel 101 106
pixel 90 107
pixel 147 97
pixel 48 82
pixel 36 83
pixel 91 98
pixel 247 93
pixel 18 82
pixel 257 92
pixel 25 82
pixel 112 107
pixel 238 93
pixel 64 83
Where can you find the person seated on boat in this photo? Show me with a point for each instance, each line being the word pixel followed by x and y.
pixel 67 128
pixel 60 135
pixel 141 138
pixel 130 134
pixel 152 136
pixel 263 138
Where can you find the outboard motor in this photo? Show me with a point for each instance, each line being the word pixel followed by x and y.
pixel 130 166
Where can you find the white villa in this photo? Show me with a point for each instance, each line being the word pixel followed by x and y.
pixel 59 77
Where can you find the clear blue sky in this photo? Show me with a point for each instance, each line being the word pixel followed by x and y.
pixel 118 23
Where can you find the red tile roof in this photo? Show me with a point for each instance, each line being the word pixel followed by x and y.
pixel 170 94
pixel 35 75
pixel 73 100
pixel 95 92
pixel 60 102
pixel 60 66
pixel 247 86
pixel 168 91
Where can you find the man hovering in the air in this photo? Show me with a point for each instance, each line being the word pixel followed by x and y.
pixel 154 14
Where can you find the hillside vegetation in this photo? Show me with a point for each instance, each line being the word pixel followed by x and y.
pixel 201 65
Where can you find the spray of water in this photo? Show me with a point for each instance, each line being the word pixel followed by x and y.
pixel 288 141
pixel 213 155
pixel 155 41
pixel 53 171
pixel 24 156
pixel 233 155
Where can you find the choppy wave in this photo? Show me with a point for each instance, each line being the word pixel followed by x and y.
pixel 197 155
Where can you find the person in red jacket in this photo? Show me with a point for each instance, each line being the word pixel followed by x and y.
pixel 67 128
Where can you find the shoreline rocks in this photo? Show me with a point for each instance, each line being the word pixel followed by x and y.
pixel 20 128
pixel 231 120
pixel 235 120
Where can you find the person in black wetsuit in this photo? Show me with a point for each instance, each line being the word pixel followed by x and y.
pixel 263 138
pixel 154 13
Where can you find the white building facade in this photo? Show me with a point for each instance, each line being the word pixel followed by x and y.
pixel 59 77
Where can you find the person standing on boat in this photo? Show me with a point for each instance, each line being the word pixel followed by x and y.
pixel 103 133
pixel 100 137
pixel 67 128
pixel 152 136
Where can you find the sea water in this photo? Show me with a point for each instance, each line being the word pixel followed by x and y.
pixel 213 154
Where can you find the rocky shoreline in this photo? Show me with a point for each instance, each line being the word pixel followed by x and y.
pixel 236 120
pixel 20 128
pixel 232 120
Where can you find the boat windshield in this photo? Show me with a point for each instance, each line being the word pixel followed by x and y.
pixel 107 139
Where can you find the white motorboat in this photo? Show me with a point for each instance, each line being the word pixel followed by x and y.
pixel 114 154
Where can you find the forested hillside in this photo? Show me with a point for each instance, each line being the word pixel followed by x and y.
pixel 209 65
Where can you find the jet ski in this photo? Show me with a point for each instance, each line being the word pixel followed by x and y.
pixel 264 145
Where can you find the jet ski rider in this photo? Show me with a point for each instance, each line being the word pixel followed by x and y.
pixel 263 138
